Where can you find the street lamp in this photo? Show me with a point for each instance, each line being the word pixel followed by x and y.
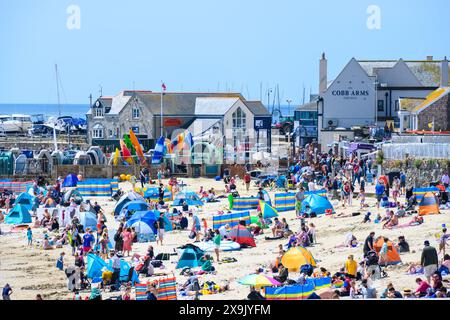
pixel 289 105
pixel 269 91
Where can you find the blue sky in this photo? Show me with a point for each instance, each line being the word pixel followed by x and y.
pixel 202 45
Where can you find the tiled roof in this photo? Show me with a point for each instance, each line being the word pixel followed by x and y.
pixel 257 108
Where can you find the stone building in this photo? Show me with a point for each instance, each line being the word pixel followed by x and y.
pixel 431 113
pixel 242 123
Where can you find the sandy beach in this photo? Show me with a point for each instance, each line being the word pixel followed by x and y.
pixel 31 270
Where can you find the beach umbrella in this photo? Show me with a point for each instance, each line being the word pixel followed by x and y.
pixel 297 257
pixel 258 280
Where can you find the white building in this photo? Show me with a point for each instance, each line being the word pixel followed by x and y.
pixel 368 92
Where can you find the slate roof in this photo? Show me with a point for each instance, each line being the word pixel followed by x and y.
pixel 257 108
pixel 427 71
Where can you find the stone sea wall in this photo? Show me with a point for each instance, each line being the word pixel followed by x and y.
pixel 419 172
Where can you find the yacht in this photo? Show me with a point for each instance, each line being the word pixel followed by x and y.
pixel 16 123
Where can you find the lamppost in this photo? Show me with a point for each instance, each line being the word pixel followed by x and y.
pixel 289 105
pixel 269 91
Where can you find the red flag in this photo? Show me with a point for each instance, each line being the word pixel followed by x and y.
pixel 163 86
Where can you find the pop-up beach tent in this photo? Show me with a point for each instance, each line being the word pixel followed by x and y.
pixel 428 205
pixel 130 196
pixel 190 258
pixel 191 198
pixel 18 215
pixel 317 204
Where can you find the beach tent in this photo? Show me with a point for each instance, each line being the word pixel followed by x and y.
pixel 95 266
pixel 267 210
pixel 70 181
pixel 26 200
pixel 18 215
pixel 88 219
pixel 191 198
pixel 125 271
pixel 144 231
pixel 130 196
pixel 420 192
pixel 241 235
pixel 318 204
pixel 281 182
pixel 428 205
pixel 133 206
pixel 147 217
pixel 392 254
pixel 296 257
pixel 190 258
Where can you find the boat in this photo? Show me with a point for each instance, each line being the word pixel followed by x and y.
pixel 16 123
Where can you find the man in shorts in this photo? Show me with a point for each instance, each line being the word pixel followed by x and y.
pixel 379 191
pixel 429 260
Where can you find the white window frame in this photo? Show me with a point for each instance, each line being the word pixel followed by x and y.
pixel 135 111
pixel 98 131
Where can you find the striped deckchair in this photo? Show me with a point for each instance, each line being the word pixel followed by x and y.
pixel 232 219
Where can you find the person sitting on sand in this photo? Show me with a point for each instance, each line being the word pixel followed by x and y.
pixel 392 222
pixel 46 243
pixel 277 229
pixel 422 288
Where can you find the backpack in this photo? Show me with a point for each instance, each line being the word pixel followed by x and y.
pixel 306 269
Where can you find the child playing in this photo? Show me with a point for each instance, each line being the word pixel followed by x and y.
pixel 29 236
pixel 60 261
pixel 367 218
pixel 205 226
pixel 362 196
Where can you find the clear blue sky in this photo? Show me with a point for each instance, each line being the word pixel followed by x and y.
pixel 196 44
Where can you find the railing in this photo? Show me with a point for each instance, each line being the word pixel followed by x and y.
pixel 399 151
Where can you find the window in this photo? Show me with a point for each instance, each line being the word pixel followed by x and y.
pixel 396 105
pixel 136 113
pixel 97 131
pixel 110 133
pixel 239 119
pixel 135 129
pixel 380 105
pixel 98 112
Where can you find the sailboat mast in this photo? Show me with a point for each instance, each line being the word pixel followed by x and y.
pixel 57 90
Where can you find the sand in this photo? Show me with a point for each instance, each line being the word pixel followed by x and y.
pixel 31 270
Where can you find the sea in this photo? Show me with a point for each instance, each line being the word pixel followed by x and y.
pixel 79 110
pixel 48 110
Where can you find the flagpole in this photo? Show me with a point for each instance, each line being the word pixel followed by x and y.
pixel 161 116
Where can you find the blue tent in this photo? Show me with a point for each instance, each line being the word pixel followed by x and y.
pixel 281 182
pixel 317 204
pixel 88 220
pixel 25 199
pixel 191 198
pixel 18 215
pixel 96 265
pixel 130 196
pixel 70 181
pixel 190 258
pixel 148 217
pixel 133 206
pixel 124 271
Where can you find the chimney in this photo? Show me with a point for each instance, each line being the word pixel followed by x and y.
pixel 323 74
pixel 444 73
pixel 429 58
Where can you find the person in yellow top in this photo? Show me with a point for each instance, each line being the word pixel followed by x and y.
pixel 351 267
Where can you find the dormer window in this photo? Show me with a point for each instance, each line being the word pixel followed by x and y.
pixel 98 110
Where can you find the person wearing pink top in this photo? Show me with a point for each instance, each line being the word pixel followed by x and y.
pixel 422 287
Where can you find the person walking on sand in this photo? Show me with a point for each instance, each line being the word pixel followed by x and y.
pixel 429 260
pixel 247 179
pixel 217 241
pixel 443 241
pixel 127 241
